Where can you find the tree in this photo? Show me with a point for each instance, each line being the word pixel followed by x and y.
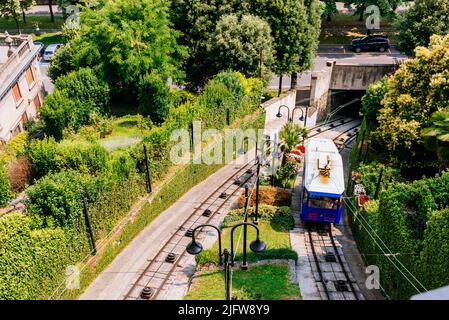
pixel 330 9
pixel 417 90
pixel 243 44
pixel 292 134
pixel 372 100
pixel 5 186
pixel 9 9
pixel 440 131
pixel 424 19
pixel 124 40
pixel 197 20
pixel 294 35
pixel 387 7
pixel 24 6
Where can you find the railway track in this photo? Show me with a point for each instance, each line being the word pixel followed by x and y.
pixel 329 267
pixel 160 270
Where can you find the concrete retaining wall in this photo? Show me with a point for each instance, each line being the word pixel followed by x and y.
pixel 356 77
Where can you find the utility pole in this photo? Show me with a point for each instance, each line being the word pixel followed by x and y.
pixel 88 225
pixel 376 194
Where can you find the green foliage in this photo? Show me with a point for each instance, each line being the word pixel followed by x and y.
pixel 439 133
pixel 286 174
pixel 32 262
pixel 279 215
pixel 406 220
pixel 238 43
pixel 415 92
pixel 84 85
pixel 424 19
pixel 56 199
pixel 292 134
pixel 63 62
pixel 47 155
pixel 295 28
pixel 372 100
pixel 368 176
pixel 330 9
pixel 5 186
pixel 122 41
pixel 154 98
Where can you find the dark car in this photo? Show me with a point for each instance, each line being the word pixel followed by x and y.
pixel 370 43
pixel 42 48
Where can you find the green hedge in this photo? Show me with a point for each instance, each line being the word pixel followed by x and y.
pixel 5 186
pixel 32 262
pixel 407 219
pixel 47 156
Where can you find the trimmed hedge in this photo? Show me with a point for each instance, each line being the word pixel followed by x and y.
pixel 32 262
pixel 5 186
pixel 406 219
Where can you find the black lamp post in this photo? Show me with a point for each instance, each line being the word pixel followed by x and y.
pixel 291 117
pixel 195 248
pixel 242 149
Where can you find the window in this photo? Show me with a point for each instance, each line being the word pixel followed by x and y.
pixel 30 77
pixel 16 92
pixel 323 202
pixel 37 102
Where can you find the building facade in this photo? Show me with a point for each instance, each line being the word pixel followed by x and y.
pixel 21 86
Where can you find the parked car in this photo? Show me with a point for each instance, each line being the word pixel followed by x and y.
pixel 50 51
pixel 42 48
pixel 370 43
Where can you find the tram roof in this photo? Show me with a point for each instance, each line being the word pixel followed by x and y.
pixel 335 184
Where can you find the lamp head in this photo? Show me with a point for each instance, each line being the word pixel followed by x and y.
pixel 194 247
pixel 301 119
pixel 257 245
pixel 279 115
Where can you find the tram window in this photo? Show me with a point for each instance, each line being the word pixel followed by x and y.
pixel 323 202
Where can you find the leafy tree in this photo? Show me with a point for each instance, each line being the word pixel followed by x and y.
pixel 9 9
pixel 330 9
pixel 387 7
pixel 125 39
pixel 440 131
pixel 417 90
pixel 240 44
pixel 295 29
pixel 424 19
pixel 197 20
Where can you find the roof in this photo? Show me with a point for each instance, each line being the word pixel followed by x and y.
pixel 52 46
pixel 319 151
pixel 437 294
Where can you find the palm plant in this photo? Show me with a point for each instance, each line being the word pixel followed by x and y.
pixel 440 131
pixel 292 134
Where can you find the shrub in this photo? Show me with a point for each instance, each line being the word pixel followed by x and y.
pixel 32 262
pixel 83 85
pixel 268 195
pixel 280 215
pixel 19 173
pixel 154 98
pixel 56 199
pixel 5 186
pixel 47 155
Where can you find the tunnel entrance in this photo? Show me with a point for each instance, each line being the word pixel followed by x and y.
pixel 345 103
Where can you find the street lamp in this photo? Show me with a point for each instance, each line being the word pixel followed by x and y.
pixel 241 151
pixel 290 118
pixel 256 246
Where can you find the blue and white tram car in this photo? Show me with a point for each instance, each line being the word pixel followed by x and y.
pixel 323 182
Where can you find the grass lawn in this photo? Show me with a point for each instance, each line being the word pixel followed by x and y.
pixel 268 282
pixel 44 22
pixel 49 38
pixel 274 234
pixel 126 132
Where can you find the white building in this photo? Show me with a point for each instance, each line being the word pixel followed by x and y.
pixel 21 88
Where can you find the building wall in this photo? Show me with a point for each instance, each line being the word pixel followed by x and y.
pixel 11 112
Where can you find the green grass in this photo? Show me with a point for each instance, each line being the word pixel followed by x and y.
pixel 274 234
pixel 44 22
pixel 127 130
pixel 267 282
pixel 49 38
